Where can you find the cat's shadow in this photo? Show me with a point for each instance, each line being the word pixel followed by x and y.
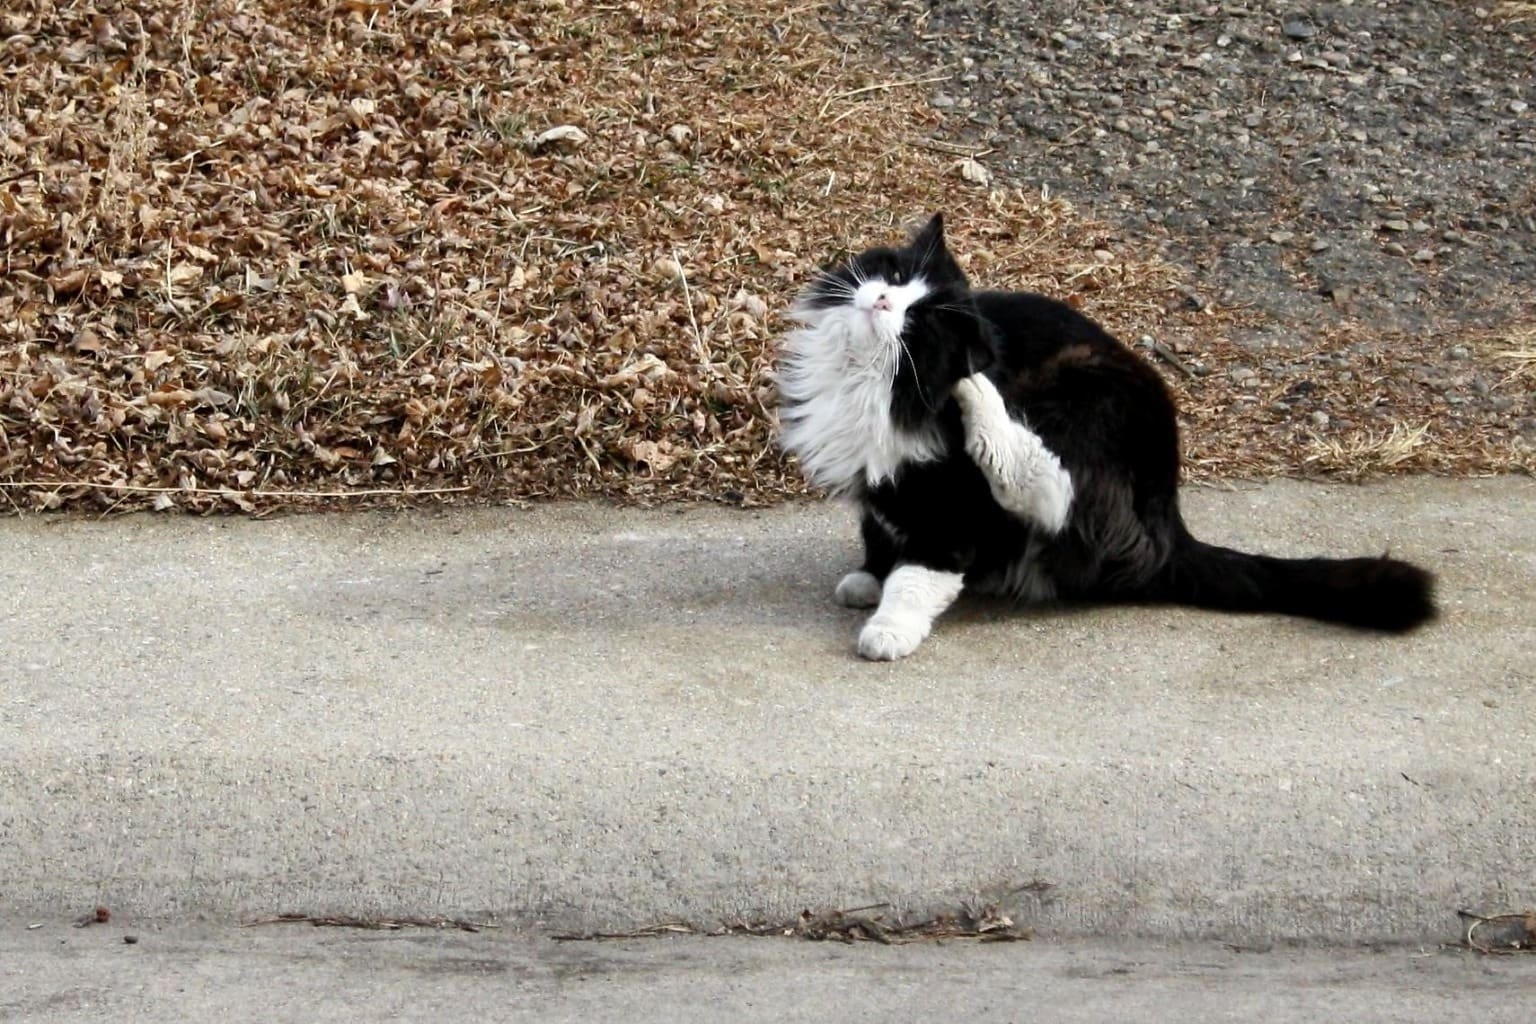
pixel 617 582
pixel 630 582
pixel 973 608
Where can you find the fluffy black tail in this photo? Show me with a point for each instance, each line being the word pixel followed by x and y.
pixel 1369 593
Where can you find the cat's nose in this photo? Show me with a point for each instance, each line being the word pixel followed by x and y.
pixel 883 303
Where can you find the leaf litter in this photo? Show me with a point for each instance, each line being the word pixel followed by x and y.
pixel 859 924
pixel 389 924
pixel 1499 934
pixel 259 254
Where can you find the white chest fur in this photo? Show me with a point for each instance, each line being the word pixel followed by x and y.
pixel 835 379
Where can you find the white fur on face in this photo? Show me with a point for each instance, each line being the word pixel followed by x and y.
pixel 912 598
pixel 835 378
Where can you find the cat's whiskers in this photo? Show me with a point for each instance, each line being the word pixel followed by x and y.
pixel 917 378
pixel 962 310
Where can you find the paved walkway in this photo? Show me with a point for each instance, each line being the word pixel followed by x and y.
pixel 574 717
pixel 307 975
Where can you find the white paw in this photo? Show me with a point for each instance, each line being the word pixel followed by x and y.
pixel 884 639
pixel 979 398
pixel 858 589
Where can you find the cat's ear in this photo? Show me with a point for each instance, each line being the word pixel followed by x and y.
pixel 930 238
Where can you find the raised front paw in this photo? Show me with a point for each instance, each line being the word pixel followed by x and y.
pixel 979 399
pixel 884 639
pixel 858 589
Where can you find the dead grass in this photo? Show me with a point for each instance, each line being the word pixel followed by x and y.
pixel 1515 351
pixel 1371 452
pixel 1515 10
pixel 259 253
pixel 861 924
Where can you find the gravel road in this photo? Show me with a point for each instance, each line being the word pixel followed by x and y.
pixel 1318 163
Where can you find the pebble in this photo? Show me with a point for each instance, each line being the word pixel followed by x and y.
pixel 1318 245
pixel 941 101
pixel 1281 237
pixel 1394 249
pixel 1518 106
pixel 1394 225
pixel 1458 352
pixel 1319 419
pixel 1423 255
pixel 1296 28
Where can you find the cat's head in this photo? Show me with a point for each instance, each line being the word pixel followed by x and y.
pixel 906 312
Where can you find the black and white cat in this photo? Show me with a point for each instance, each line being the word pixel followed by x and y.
pixel 1002 441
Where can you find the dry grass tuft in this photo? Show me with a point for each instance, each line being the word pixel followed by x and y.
pixel 1370 452
pixel 1515 10
pixel 1516 351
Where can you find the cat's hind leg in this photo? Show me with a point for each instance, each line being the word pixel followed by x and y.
pixel 912 598
pixel 1026 477
pixel 861 588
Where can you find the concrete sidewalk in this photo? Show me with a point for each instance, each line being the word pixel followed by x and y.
pixel 58 975
pixel 574 717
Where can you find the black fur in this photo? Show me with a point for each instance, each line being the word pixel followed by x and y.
pixel 1110 419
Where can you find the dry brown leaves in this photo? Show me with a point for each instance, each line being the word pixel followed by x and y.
pixel 1499 934
pixel 258 250
pixel 388 924
pixel 860 924
pixel 530 249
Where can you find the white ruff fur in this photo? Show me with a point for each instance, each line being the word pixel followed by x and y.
pixel 912 598
pixel 1026 477
pixel 835 381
